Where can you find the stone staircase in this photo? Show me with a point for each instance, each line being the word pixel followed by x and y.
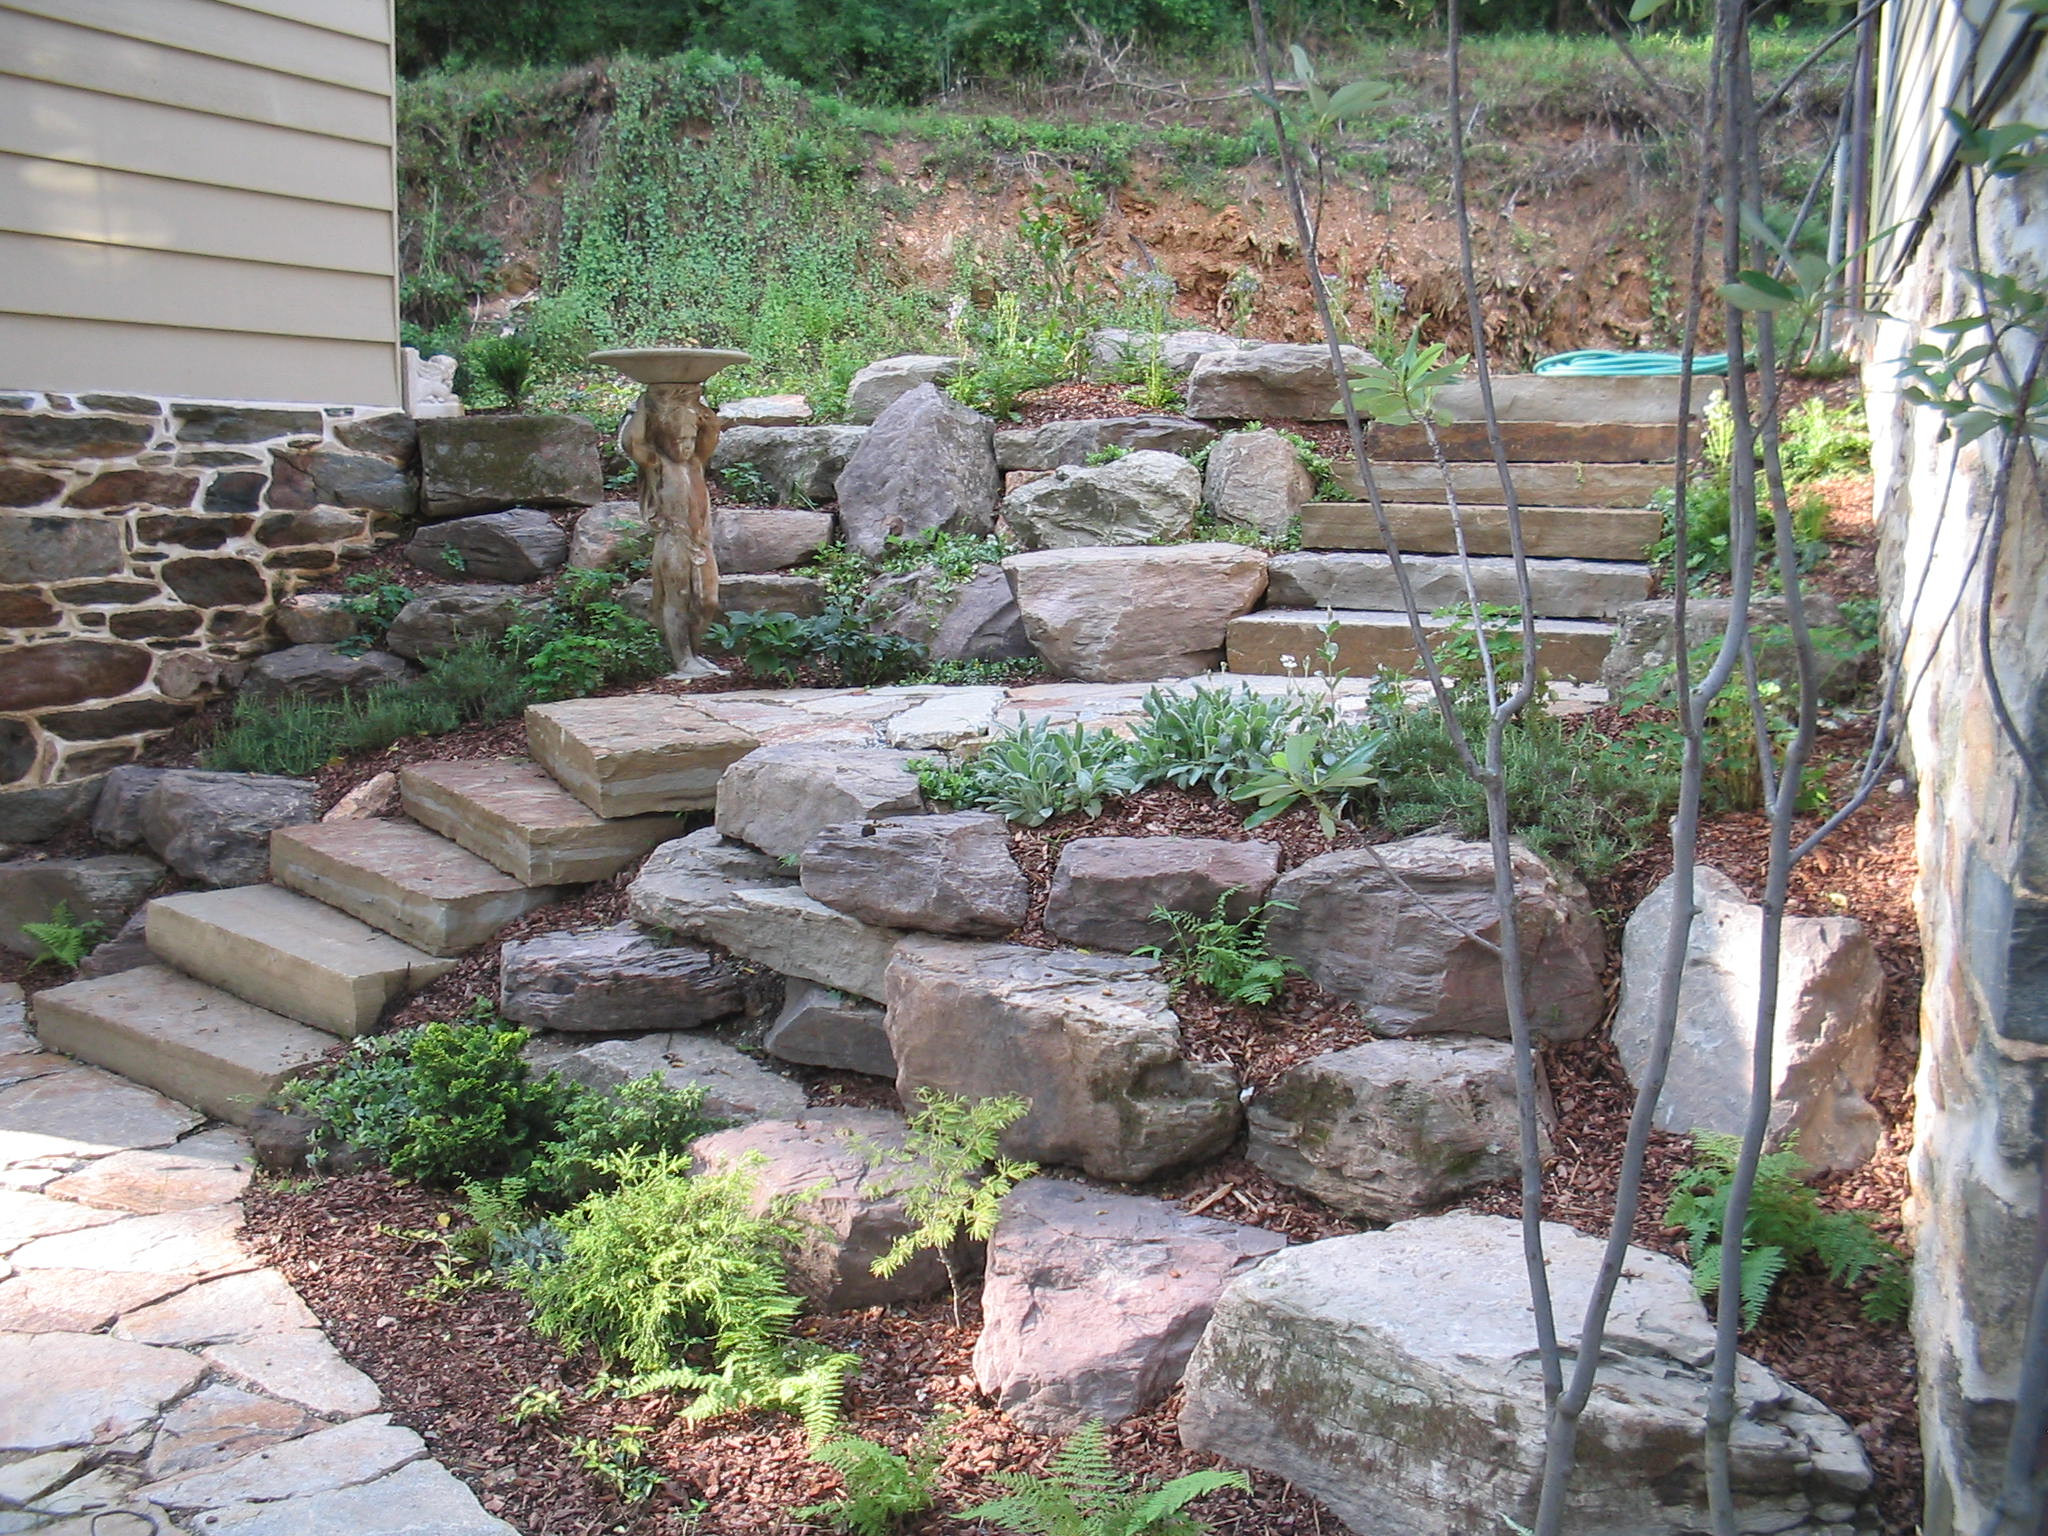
pixel 254 984
pixel 1585 457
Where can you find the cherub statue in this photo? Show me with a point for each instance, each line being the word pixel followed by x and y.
pixel 670 435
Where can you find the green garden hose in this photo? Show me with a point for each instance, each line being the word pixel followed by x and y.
pixel 1608 365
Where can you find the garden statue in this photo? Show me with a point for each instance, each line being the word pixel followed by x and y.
pixel 669 436
pixel 430 386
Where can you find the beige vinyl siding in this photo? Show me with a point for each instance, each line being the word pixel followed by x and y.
pixel 196 198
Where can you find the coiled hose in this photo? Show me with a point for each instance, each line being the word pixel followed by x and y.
pixel 1607 365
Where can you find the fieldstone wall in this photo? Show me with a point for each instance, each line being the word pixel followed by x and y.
pixel 1983 846
pixel 144 545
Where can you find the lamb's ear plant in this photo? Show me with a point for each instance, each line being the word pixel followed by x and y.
pixel 1084 1493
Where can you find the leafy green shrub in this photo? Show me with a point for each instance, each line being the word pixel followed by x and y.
pixel 1785 1225
pixel 1036 772
pixel 505 363
pixel 1819 441
pixel 62 939
pixel 586 640
pixel 374 602
pixel 1228 955
pixel 880 1489
pixel 778 645
pixel 1084 1493
pixel 1212 738
pixel 1010 360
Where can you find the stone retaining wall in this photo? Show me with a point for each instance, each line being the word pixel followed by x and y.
pixel 144 545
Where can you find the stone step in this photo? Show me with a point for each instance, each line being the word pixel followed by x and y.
pixel 1533 442
pixel 398 876
pixel 1571 484
pixel 290 954
pixel 1553 397
pixel 188 1041
pixel 635 756
pixel 1570 650
pixel 1558 589
pixel 1558 533
pixel 511 813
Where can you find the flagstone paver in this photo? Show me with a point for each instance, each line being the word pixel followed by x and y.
pixel 156 1377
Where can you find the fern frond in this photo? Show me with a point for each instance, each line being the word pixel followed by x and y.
pixel 1083 1464
pixel 1760 1270
pixel 1178 1494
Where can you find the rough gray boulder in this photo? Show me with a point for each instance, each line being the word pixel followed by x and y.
pixel 614 980
pixel 736 1087
pixel 800 595
pixel 1142 498
pixel 1394 1376
pixel 1391 1129
pixel 443 619
pixel 607 536
pixel 215 827
pixel 766 411
pixel 1091 1303
pixel 1087 1040
pixel 1257 479
pixel 321 672
pixel 936 874
pixel 127 949
pixel 1826 1029
pixel 976 620
pixel 885 381
pixel 842 1173
pixel 820 1027
pixel 523 544
pixel 36 813
pixel 796 463
pixel 753 540
pixel 1105 889
pixel 1117 353
pixel 928 462
pixel 1642 641
pixel 1072 442
pixel 1402 930
pixel 484 463
pixel 779 798
pixel 117 811
pixel 1128 615
pixel 1268 380
pixel 94 892
pixel 315 618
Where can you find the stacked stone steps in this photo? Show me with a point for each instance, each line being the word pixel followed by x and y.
pixel 1570 650
pixel 513 814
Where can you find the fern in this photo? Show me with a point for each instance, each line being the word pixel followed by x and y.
pixel 782 1375
pixel 1786 1224
pixel 880 1487
pixel 63 938
pixel 1084 1493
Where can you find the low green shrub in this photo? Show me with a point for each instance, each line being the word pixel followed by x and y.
pixel 1036 772
pixel 952 1176
pixel 504 363
pixel 778 646
pixel 586 640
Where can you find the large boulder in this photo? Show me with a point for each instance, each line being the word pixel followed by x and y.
pixel 1394 1376
pixel 937 874
pixel 609 536
pixel 796 463
pixel 215 827
pixel 736 1087
pixel 614 980
pixel 521 545
pixel 1642 642
pixel 1409 932
pixel 1105 889
pixel 1141 498
pixel 1269 380
pixel 36 813
pixel 1074 442
pixel 752 540
pixel 800 595
pixel 842 1175
pixel 1825 1031
pixel 927 462
pixel 1092 1302
pixel 96 892
pixel 974 620
pixel 1258 479
pixel 316 618
pixel 1112 615
pixel 819 1027
pixel 1391 1129
pixel 486 463
pixel 766 411
pixel 321 672
pixel 883 382
pixel 1087 1040
pixel 1116 353
pixel 443 619
pixel 779 798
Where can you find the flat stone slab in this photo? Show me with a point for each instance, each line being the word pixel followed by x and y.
pixel 25 1216
pixel 1558 589
pixel 1556 397
pixel 637 755
pixel 290 954
pixel 398 876
pixel 300 1366
pixel 736 1087
pixel 1572 649
pixel 77 1300
pixel 340 1457
pixel 83 1113
pixel 88 1388
pixel 210 1168
pixel 1536 485
pixel 221 1423
pixel 192 1244
pixel 189 1041
pixel 1548 532
pixel 513 814
pixel 224 1311
pixel 420 1499
pixel 1534 442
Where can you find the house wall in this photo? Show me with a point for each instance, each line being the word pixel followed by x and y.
pixel 197 199
pixel 1982 1090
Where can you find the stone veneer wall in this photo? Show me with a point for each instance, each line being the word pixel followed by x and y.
pixel 145 544
pixel 1983 843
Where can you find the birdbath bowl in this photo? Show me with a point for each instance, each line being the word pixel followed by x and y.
pixel 670 436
